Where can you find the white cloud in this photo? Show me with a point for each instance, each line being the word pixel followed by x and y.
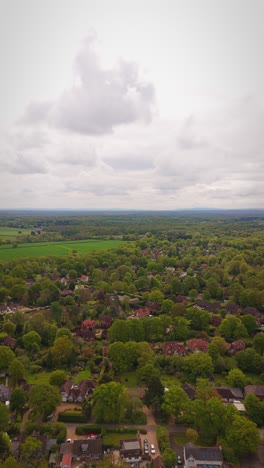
pixel 99 100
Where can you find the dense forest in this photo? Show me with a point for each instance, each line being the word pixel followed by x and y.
pixel 175 309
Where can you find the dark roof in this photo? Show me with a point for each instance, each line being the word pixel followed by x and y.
pixel 258 390
pixel 88 446
pixel 232 392
pixel 189 390
pixel 203 453
pixel 5 393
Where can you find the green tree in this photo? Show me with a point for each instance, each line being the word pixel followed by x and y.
pixel 57 377
pixel 56 310
pixel 258 343
pixel 250 323
pixel 236 378
pixel 10 462
pixel 249 361
pixel 31 341
pixel 169 458
pixel 255 409
pixel 29 452
pixel 4 418
pixel 44 399
pixel 17 400
pixel 62 352
pixel 242 435
pixel 17 371
pixel 198 365
pixel 192 435
pixel 6 357
pixel 175 401
pixel 232 328
pixel 9 328
pixel 155 390
pixel 110 402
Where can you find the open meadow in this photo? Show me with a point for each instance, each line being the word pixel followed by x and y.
pixel 8 252
pixel 8 233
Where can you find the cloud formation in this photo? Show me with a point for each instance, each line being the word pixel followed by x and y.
pixel 99 100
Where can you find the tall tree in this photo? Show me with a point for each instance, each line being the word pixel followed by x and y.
pixel 44 399
pixel 110 401
pixel 175 401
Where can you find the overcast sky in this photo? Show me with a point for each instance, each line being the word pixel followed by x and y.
pixel 132 104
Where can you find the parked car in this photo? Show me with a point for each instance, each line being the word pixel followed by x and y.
pixel 152 449
pixel 179 460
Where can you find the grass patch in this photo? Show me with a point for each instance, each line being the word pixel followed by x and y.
pixel 170 380
pixel 82 375
pixel 41 378
pixel 129 379
pixel 112 439
pixel 7 233
pixel 181 439
pixel 7 252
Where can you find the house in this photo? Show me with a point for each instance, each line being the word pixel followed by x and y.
pixel 181 299
pixel 106 321
pixel 140 313
pixel 257 390
pixel 216 320
pixel 66 460
pixel 88 449
pixel 84 278
pixel 76 392
pixel 5 394
pixel 196 344
pixel 189 390
pixel 230 394
pixel 131 451
pixel 65 390
pixel 88 324
pixel 9 341
pixel 173 348
pixel 238 345
pixel 204 457
pixel 232 309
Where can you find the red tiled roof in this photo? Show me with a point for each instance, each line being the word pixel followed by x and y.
pixel 197 345
pixel 66 460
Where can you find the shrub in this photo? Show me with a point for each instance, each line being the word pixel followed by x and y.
pixel 71 417
pixel 83 430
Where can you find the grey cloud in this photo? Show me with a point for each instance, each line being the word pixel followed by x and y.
pixel 137 162
pixel 187 139
pixel 27 164
pixel 36 112
pixel 102 99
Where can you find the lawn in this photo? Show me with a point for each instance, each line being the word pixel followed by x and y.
pixel 113 439
pixel 181 439
pixel 38 378
pixel 170 381
pixel 82 375
pixel 8 252
pixel 12 233
pixel 129 379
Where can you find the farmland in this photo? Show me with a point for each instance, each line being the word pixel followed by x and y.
pixel 8 233
pixel 8 252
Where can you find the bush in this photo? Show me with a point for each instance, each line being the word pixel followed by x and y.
pixel 163 438
pixel 83 430
pixel 72 417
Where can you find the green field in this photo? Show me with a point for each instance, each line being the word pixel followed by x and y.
pixel 7 233
pixel 8 252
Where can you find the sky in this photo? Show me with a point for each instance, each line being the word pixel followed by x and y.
pixel 131 104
